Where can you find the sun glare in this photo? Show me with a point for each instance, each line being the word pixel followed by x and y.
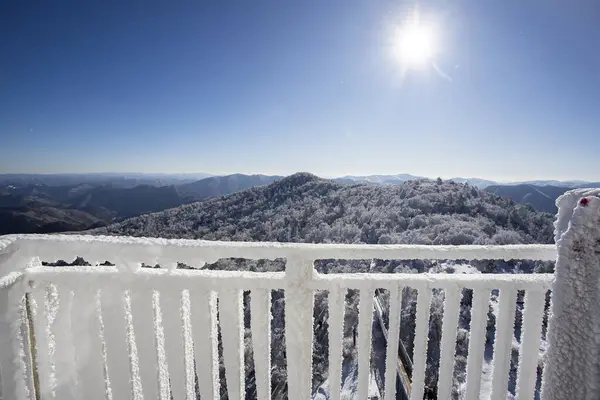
pixel 414 43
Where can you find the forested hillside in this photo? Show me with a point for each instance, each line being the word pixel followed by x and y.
pixel 305 208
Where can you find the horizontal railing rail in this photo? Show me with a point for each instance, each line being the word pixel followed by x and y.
pixel 209 279
pixel 167 252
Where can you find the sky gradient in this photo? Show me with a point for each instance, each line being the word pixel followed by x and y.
pixel 278 87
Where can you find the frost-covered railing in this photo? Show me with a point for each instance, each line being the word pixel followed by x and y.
pixel 153 323
pixel 127 332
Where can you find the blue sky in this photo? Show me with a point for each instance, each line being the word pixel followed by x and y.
pixel 277 87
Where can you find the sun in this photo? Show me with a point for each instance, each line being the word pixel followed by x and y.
pixel 413 43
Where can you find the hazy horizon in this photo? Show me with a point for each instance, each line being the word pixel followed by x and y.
pixel 203 175
pixel 504 91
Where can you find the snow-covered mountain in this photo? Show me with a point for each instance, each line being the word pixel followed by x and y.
pixel 401 178
pixel 305 208
pixel 565 184
pixel 379 179
pixel 477 182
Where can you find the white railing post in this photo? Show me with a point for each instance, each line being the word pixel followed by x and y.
pixel 299 299
pixel 572 365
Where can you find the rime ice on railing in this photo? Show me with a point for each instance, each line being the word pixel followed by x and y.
pixel 152 333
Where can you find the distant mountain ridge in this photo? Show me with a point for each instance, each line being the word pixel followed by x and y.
pixel 400 178
pixel 477 182
pixel 223 185
pixel 128 180
pixel 40 208
pixel 123 180
pixel 567 184
pixel 542 198
pixel 379 179
pixel 29 206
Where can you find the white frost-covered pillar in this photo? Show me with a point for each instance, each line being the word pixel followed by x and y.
pixel 572 367
pixel 299 299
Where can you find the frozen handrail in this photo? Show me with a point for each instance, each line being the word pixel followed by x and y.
pixel 127 251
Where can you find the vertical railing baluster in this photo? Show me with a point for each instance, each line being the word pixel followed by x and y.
pixel 365 323
pixel 299 301
pixel 89 362
pixel 260 319
pixel 170 306
pixel 421 341
pixel 45 368
pixel 134 360
pixel 64 357
pixel 142 314
pixel 530 344
pixel 15 367
pixel 204 328
pixel 479 310
pixel 112 303
pixel 26 346
pixel 188 346
pixel 163 369
pixel 337 303
pixel 448 344
pixel 505 324
pixel 391 358
pixel 232 331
